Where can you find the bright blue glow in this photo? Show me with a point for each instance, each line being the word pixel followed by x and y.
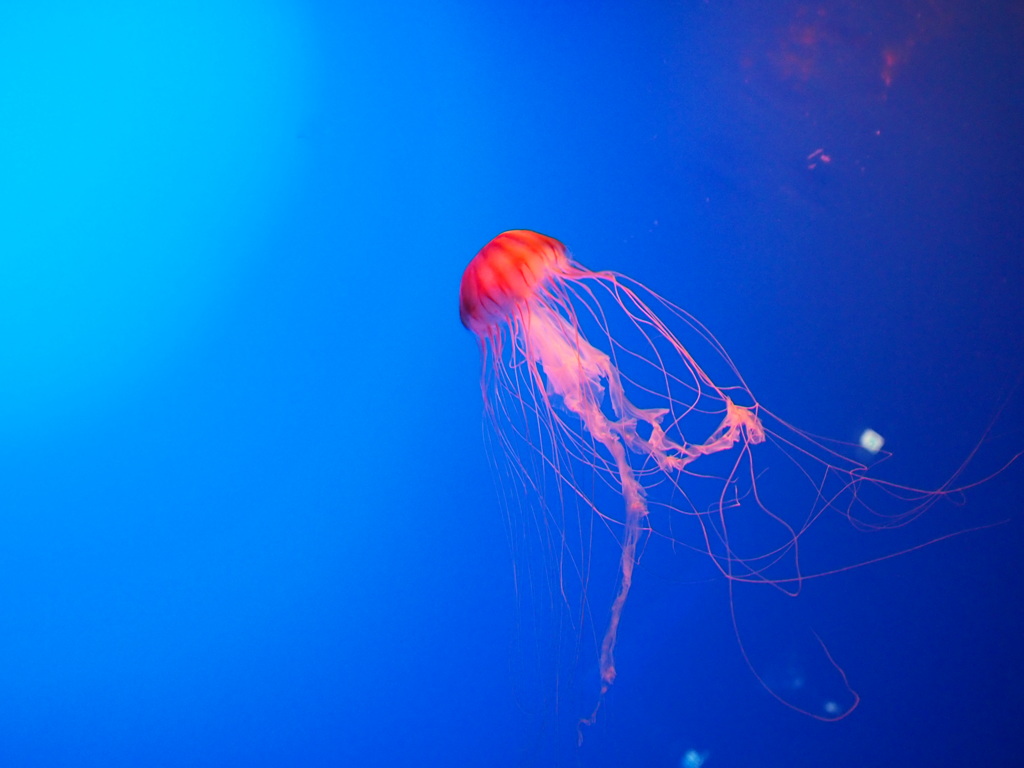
pixel 140 145
pixel 247 516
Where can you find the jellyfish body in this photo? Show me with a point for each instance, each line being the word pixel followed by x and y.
pixel 520 287
pixel 553 380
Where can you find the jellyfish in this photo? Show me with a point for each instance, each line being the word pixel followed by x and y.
pixel 586 369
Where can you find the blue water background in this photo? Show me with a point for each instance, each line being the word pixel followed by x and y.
pixel 247 516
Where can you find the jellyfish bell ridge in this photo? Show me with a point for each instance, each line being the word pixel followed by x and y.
pixel 510 269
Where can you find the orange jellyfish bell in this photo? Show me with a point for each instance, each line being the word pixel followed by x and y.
pixel 505 274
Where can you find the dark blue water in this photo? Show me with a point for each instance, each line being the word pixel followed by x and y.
pixel 247 515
